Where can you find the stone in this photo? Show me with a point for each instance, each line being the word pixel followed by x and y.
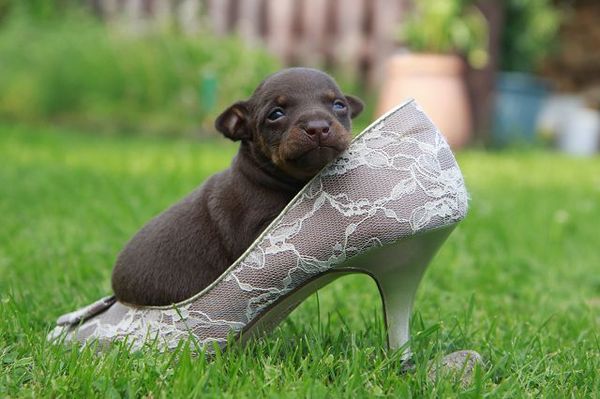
pixel 459 365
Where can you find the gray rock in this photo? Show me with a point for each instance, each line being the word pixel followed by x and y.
pixel 459 365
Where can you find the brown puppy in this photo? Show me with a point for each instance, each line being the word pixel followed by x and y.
pixel 295 122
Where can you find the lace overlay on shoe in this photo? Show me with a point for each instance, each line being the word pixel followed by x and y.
pixel 396 179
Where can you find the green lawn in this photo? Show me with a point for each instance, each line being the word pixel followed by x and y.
pixel 518 281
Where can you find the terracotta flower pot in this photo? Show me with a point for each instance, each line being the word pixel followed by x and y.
pixel 437 83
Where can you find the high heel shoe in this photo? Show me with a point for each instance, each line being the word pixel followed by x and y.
pixel 383 207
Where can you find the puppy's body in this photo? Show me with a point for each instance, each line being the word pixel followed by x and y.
pixel 289 130
pixel 194 241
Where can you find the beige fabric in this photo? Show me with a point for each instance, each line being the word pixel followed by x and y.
pixel 397 178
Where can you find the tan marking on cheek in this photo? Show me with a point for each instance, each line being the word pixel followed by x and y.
pixel 276 158
pixel 342 136
pixel 279 155
pixel 264 147
pixel 274 154
pixel 292 143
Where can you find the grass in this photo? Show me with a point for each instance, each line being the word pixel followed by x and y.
pixel 518 281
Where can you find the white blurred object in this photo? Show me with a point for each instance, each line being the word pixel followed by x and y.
pixel 556 112
pixel 581 135
pixel 575 127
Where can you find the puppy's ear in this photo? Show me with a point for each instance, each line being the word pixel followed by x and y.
pixel 356 105
pixel 233 122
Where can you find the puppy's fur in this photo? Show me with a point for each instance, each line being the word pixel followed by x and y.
pixel 295 122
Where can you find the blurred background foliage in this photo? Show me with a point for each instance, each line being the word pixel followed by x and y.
pixel 452 26
pixel 530 33
pixel 60 64
pixel 70 63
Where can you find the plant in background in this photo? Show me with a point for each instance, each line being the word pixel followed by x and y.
pixel 529 35
pixel 39 10
pixel 73 70
pixel 447 27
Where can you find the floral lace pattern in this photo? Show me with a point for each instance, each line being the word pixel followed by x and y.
pixel 396 179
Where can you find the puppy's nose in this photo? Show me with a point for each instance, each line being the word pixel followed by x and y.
pixel 318 130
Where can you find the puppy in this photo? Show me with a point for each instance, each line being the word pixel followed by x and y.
pixel 295 122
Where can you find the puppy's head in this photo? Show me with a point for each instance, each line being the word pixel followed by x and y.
pixel 297 118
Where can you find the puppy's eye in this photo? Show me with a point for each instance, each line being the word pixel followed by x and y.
pixel 276 114
pixel 338 105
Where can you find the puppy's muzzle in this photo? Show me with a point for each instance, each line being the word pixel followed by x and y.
pixel 318 130
pixel 310 144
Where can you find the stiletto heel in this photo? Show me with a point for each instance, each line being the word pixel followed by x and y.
pixel 397 269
